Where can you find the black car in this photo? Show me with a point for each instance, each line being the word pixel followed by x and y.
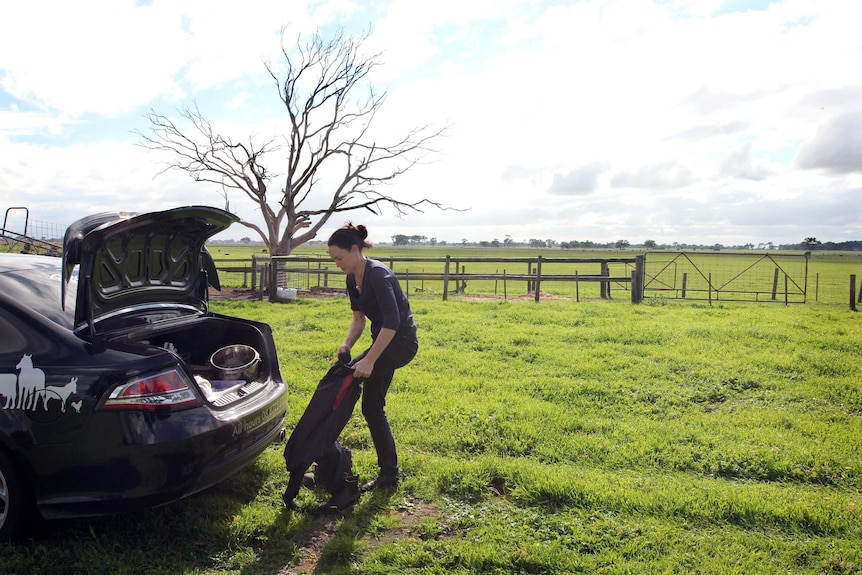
pixel 119 388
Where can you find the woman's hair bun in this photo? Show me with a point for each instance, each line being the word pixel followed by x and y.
pixel 349 235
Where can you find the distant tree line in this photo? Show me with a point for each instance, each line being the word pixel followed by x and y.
pixel 809 243
pixel 403 240
pixel 419 240
pixel 851 246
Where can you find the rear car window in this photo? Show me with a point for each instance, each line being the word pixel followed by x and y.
pixel 13 342
pixel 34 283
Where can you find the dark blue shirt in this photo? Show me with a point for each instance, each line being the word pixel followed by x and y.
pixel 382 300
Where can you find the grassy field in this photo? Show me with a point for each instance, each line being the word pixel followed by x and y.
pixel 559 437
pixel 827 273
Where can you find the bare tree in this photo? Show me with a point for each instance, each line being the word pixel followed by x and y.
pixel 329 128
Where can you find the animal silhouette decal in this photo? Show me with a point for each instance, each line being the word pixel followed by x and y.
pixel 27 390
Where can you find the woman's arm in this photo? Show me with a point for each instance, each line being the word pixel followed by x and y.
pixel 365 366
pixel 354 332
pixel 379 282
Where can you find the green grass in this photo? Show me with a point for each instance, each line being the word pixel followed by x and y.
pixel 827 281
pixel 559 437
pixel 554 438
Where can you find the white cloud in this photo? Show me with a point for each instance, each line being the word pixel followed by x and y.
pixel 837 146
pixel 692 121
pixel 103 57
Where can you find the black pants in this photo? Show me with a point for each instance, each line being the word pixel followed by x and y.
pixel 400 351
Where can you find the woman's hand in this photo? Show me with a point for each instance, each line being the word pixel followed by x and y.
pixel 363 368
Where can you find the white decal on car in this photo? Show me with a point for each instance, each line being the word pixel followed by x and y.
pixel 24 390
pixel 9 388
pixel 62 392
pixel 31 382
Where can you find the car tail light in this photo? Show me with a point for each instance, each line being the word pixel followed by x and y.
pixel 165 391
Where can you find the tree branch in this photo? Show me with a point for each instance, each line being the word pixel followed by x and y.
pixel 329 135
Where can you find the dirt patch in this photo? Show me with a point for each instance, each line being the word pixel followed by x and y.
pixel 408 517
pixel 248 294
pixel 543 296
pixel 237 294
pixel 312 543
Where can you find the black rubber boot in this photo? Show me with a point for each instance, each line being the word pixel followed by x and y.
pixel 293 485
pixel 345 498
pixel 386 478
pixel 288 500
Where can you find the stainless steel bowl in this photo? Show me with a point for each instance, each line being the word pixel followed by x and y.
pixel 236 362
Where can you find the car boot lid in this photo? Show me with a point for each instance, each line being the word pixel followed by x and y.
pixel 134 261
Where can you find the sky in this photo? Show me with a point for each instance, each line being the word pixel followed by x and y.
pixel 693 121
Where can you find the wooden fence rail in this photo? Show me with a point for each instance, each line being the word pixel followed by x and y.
pixel 704 276
pixel 453 272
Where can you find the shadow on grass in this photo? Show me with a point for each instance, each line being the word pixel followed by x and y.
pixel 309 541
pixel 194 534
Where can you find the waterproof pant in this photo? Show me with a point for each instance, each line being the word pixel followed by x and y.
pixel 400 351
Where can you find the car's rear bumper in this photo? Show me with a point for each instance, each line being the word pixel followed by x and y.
pixel 239 456
pixel 215 472
pixel 138 476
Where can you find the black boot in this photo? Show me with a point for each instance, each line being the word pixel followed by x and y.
pixel 287 497
pixel 386 478
pixel 293 485
pixel 346 496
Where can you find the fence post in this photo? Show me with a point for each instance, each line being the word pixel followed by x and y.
pixel 774 284
pixel 538 277
pixel 709 287
pixel 605 286
pixel 639 279
pixel 446 279
pixel 505 295
pixel 577 287
pixel 253 272
pixel 273 280
pixel 853 292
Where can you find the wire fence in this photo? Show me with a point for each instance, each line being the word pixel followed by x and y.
pixel 695 276
pixel 709 276
pixel 19 231
pixel 505 277
pixel 728 276
pixel 17 221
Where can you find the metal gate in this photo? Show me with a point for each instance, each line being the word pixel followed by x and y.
pixel 725 276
